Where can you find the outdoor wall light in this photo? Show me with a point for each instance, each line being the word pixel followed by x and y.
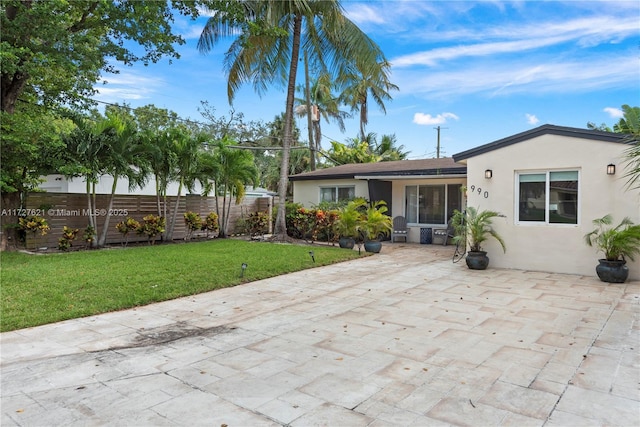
pixel 488 173
pixel 611 169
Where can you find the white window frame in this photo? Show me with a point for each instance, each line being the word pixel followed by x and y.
pixel 547 191
pixel 335 188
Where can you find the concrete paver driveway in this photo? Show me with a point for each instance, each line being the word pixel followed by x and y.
pixel 402 338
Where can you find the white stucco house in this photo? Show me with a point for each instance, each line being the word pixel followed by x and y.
pixel 549 182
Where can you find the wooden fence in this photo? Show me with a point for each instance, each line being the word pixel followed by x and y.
pixel 71 210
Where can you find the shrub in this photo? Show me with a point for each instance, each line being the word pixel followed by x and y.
pixel 193 222
pixel 33 224
pixel 68 236
pixel 314 224
pixel 151 226
pixel 258 223
pixel 89 235
pixel 127 226
pixel 210 223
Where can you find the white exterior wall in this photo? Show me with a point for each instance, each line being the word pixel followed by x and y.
pixel 398 190
pixel 307 193
pixel 552 247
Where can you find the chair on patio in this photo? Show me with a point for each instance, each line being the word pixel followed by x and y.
pixel 445 233
pixel 399 228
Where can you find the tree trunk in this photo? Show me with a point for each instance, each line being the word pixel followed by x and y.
pixel 174 216
pixel 281 224
pixel 223 218
pixel 307 96
pixel 8 230
pixel 105 226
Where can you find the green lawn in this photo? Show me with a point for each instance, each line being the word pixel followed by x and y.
pixel 40 289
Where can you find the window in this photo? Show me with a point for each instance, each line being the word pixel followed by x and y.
pixel 337 194
pixel 431 204
pixel 548 197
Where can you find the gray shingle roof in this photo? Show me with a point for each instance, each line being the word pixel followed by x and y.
pixel 442 166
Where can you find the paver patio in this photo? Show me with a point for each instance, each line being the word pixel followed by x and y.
pixel 402 338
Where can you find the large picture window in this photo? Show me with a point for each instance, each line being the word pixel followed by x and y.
pixel 431 204
pixel 337 194
pixel 548 197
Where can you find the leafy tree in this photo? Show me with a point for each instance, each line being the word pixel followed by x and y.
pixel 267 49
pixel 354 152
pixel 54 51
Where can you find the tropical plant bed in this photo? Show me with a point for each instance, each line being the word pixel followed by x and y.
pixel 51 287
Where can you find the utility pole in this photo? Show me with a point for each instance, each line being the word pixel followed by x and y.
pixel 438 146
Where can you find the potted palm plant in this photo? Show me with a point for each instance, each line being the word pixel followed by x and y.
pixel 617 244
pixel 475 227
pixel 348 224
pixel 376 225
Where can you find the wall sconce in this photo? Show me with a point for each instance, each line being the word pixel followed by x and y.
pixel 611 169
pixel 488 174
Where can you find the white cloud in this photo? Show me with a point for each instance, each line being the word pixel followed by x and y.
pixel 127 85
pixel 428 119
pixel 614 113
pixel 363 13
pixel 586 32
pixel 523 75
pixel 532 119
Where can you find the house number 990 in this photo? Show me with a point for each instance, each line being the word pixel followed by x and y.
pixel 479 191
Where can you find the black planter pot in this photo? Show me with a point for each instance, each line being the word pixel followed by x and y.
pixel 373 246
pixel 346 242
pixel 612 271
pixel 477 260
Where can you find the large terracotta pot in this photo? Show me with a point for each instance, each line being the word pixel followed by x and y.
pixel 477 260
pixel 612 271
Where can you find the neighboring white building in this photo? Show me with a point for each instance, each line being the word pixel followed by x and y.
pixel 60 184
pixel 550 183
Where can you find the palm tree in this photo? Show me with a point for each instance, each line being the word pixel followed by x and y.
pixel 122 159
pixel 185 147
pixel 325 104
pixel 630 124
pixel 388 149
pixel 86 147
pixel 364 80
pixel 235 168
pixel 268 50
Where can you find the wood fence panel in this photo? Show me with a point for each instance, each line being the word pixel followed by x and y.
pixel 71 210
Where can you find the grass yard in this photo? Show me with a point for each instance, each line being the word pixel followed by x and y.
pixel 40 289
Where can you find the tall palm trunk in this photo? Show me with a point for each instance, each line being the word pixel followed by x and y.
pixel 281 225
pixel 105 226
pixel 307 96
pixel 174 216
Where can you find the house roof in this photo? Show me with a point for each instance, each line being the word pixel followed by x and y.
pixel 539 131
pixel 399 168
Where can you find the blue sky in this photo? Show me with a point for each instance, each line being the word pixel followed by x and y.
pixel 480 70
